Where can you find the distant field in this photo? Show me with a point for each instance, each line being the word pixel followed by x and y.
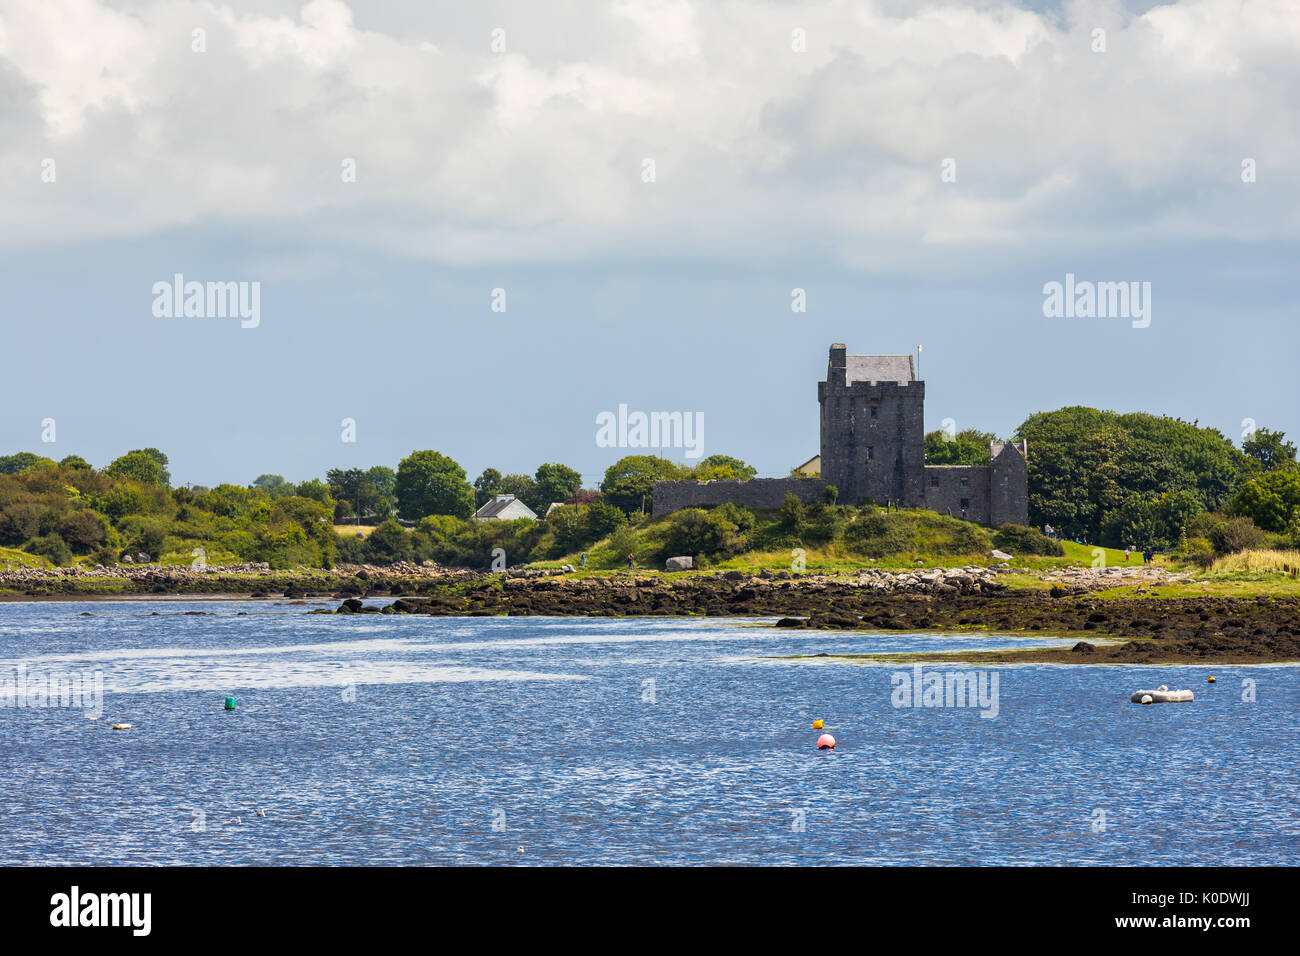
pixel 354 529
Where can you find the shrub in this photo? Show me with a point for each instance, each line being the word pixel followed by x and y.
pixel 143 534
pixel 603 518
pixel 880 535
pixel 575 527
pixel 83 530
pixel 1235 534
pixel 350 549
pixel 738 515
pixel 622 543
pixel 791 515
pixel 20 521
pixel 388 543
pixel 1196 551
pixel 1017 539
pixel 695 531
pixel 51 546
pixel 822 523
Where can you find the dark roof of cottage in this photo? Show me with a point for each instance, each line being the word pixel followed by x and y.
pixel 879 368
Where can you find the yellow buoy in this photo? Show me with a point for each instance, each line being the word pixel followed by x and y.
pixel 121 726
pixel 817 725
pixel 1210 679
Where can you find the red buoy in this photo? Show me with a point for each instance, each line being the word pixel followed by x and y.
pixel 825 742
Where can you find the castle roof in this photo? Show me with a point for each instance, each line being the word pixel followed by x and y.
pixel 879 368
pixel 995 448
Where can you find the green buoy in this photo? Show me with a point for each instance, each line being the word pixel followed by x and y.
pixel 230 703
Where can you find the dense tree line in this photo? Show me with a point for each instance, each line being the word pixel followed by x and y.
pixel 1119 479
pixel 1145 480
pixel 68 511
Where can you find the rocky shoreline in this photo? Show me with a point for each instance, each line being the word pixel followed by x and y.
pixel 1131 631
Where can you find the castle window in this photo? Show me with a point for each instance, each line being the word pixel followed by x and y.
pixel 871 452
pixel 873 413
pixel 965 482
pixel 934 481
pixel 965 503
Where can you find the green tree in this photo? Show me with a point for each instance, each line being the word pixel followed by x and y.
pixel 273 485
pixel 790 517
pixel 629 482
pixel 51 547
pixel 390 541
pixel 145 465
pixel 1270 450
pixel 486 486
pixel 694 531
pixel 20 520
pixel 382 483
pixel 76 462
pixel 366 492
pixel 522 487
pixel 13 464
pixel 316 490
pixel 297 531
pixel 603 519
pixel 1084 464
pixel 967 447
pixel 83 530
pixel 430 483
pixel 722 468
pixel 553 482
pixel 1271 500
pixel 347 486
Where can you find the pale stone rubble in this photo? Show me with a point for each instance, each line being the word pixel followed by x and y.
pixel 1097 578
pixel 970 579
pixel 180 574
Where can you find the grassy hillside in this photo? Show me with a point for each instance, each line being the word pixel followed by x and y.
pixel 824 537
pixel 11 559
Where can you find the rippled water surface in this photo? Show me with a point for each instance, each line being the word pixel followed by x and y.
pixel 396 739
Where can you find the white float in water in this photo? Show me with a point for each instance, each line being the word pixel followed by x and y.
pixel 1162 695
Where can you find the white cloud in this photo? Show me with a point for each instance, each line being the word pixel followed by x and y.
pixel 467 156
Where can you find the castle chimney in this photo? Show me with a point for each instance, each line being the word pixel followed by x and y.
pixel 837 367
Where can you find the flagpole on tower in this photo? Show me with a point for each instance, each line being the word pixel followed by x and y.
pixel 918 362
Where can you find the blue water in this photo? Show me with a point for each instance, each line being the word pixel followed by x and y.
pixel 411 740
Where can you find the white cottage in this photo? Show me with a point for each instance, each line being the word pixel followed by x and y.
pixel 505 508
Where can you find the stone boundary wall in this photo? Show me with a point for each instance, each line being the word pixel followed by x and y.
pixel 670 496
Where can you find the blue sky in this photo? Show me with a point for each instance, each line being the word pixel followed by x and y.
pixel 523 170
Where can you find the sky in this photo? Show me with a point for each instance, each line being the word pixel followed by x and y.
pixel 476 227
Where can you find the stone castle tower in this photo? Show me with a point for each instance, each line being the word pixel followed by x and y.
pixel 873 451
pixel 873 446
pixel 873 427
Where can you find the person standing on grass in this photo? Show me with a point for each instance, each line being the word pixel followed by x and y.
pixel 631 562
pixel 583 560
